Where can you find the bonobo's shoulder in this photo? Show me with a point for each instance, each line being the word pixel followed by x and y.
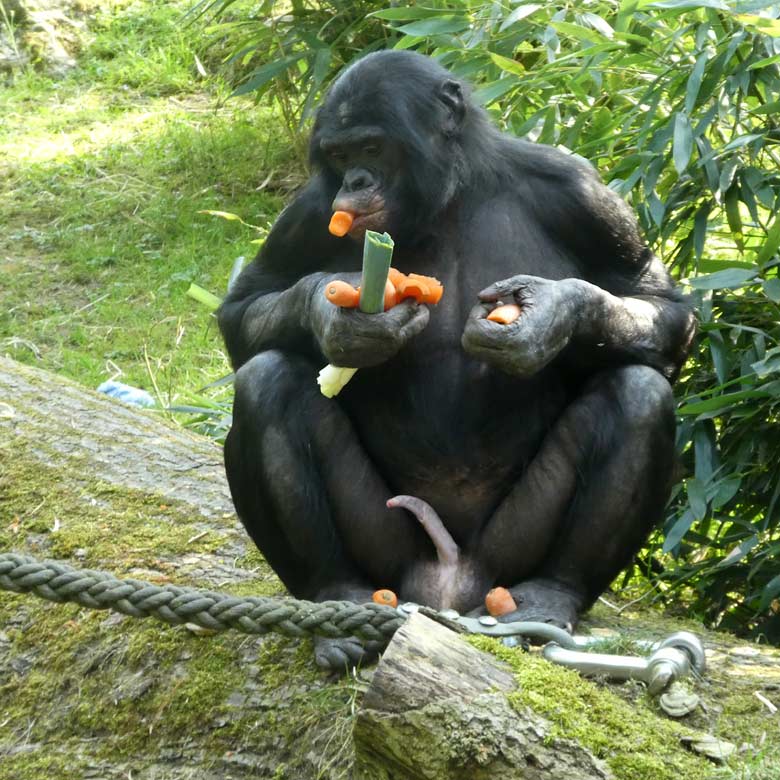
pixel 551 164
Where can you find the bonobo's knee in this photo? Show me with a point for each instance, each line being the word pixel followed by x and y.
pixel 267 383
pixel 644 395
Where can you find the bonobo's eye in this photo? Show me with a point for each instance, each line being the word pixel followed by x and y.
pixel 371 150
pixel 337 155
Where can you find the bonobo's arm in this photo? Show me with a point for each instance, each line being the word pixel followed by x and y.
pixel 624 310
pixel 278 301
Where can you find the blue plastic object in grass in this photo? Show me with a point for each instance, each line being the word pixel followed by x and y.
pixel 127 393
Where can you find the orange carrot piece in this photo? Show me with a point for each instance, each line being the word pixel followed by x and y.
pixel 342 294
pixel 395 276
pixel 340 223
pixel 424 289
pixel 391 295
pixel 386 597
pixel 435 288
pixel 499 602
pixel 410 288
pixel 504 315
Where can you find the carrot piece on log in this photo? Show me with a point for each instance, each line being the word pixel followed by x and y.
pixel 386 597
pixel 499 602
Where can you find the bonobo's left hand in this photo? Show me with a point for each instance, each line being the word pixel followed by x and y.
pixel 548 318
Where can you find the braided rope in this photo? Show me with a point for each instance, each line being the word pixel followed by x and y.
pixel 176 605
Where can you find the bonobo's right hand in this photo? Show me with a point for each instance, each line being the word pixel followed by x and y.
pixel 349 337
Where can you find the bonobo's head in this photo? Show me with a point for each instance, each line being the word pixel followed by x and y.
pixel 389 141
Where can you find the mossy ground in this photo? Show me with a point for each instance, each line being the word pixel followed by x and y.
pixel 623 725
pixel 84 691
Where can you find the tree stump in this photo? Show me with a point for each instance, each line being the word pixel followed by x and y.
pixel 438 708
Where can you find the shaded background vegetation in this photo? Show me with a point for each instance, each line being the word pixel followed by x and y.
pixel 676 102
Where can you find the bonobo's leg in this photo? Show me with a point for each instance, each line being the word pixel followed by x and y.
pixel 589 498
pixel 307 493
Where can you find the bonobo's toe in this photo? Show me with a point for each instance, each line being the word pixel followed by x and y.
pixel 545 601
pixel 340 655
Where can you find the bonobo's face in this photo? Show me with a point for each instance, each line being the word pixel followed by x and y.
pixel 367 164
pixel 386 142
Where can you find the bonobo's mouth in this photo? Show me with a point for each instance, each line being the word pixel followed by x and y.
pixel 373 220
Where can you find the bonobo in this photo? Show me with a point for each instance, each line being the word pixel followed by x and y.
pixel 535 455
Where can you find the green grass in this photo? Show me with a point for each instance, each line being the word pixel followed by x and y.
pixel 102 176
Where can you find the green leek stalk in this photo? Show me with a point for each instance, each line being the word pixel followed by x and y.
pixel 377 255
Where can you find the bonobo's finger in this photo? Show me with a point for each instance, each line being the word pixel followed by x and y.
pixel 405 312
pixel 480 311
pixel 416 324
pixel 506 288
pixel 481 335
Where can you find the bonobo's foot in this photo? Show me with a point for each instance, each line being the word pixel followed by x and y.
pixel 341 655
pixel 545 601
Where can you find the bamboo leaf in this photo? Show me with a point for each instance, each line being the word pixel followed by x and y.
pixel 595 21
pixel 770 592
pixel 696 498
pixel 684 5
pixel 521 12
pixel 489 93
pixel 694 82
pixel 731 202
pixel 262 76
pixel 577 31
pixel 683 142
pixel 770 246
pixel 507 64
pixel 439 25
pixel 740 551
pixel 721 402
pixel 772 289
pixel 405 14
pixel 678 530
pixel 729 279
pixel 763 23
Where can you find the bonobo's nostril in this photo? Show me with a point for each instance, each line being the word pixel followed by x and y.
pixel 357 180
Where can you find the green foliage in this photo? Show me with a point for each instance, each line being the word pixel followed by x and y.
pixel 676 103
pixel 103 178
pixel 289 51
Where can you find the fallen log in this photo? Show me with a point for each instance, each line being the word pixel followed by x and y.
pixel 438 708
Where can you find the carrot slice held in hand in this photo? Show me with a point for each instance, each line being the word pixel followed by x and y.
pixel 340 223
pixel 395 276
pixel 342 294
pixel 435 289
pixel 424 289
pixel 504 315
pixel 499 602
pixel 386 597
pixel 391 295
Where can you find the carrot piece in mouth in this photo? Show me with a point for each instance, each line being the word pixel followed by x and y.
pixel 340 223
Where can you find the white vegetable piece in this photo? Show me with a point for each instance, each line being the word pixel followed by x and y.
pixel 333 378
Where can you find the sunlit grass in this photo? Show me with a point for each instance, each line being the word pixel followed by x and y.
pixel 102 176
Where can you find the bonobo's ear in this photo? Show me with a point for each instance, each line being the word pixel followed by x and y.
pixel 451 94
